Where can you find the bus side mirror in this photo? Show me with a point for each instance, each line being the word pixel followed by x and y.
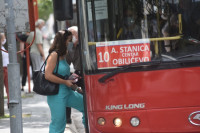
pixel 63 9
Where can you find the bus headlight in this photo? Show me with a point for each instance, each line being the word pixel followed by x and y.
pixel 135 121
pixel 117 122
pixel 101 121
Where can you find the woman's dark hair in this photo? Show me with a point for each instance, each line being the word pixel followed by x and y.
pixel 59 42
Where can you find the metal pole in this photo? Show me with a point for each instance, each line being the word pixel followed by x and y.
pixel 13 72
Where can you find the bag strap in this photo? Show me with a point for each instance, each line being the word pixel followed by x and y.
pixel 57 64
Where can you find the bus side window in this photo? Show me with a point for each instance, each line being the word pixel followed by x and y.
pixel 93 56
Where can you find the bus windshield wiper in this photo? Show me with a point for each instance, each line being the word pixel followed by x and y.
pixel 189 55
pixel 122 68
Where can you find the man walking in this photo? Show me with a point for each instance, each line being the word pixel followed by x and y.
pixel 36 51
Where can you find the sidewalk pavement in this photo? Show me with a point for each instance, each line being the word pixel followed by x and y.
pixel 36 116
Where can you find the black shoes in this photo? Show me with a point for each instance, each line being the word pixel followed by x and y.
pixel 69 121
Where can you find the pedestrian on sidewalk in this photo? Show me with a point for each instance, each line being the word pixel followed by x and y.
pixel 22 41
pixel 73 57
pixel 5 62
pixel 66 97
pixel 36 51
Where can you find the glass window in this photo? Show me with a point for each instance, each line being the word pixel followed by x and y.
pixel 122 32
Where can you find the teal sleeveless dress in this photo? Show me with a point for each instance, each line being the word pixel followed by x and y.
pixel 65 98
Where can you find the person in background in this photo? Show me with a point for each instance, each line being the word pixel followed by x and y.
pixel 5 60
pixel 22 40
pixel 132 21
pixel 73 54
pixel 66 97
pixel 36 51
pixel 170 29
pixel 73 57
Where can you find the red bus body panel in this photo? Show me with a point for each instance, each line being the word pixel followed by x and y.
pixel 167 98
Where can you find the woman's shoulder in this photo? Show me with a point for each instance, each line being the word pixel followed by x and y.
pixel 54 55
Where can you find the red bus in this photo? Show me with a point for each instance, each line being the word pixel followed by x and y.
pixel 141 65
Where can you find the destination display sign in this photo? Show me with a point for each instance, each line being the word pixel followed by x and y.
pixel 117 53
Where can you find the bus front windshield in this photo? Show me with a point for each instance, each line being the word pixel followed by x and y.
pixel 123 32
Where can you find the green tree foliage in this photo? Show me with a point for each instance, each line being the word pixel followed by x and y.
pixel 45 8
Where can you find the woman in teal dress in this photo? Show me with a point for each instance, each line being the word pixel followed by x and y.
pixel 66 97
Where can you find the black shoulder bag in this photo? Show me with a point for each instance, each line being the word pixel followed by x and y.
pixel 43 86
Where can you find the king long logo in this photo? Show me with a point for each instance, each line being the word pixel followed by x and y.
pixel 125 106
pixel 194 118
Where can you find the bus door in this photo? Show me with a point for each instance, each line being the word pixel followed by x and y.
pixel 140 60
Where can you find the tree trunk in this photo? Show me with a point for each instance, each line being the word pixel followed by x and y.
pixel 1 87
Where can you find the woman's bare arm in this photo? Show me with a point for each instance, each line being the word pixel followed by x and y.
pixel 50 66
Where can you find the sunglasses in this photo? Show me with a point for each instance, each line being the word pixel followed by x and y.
pixel 67 32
